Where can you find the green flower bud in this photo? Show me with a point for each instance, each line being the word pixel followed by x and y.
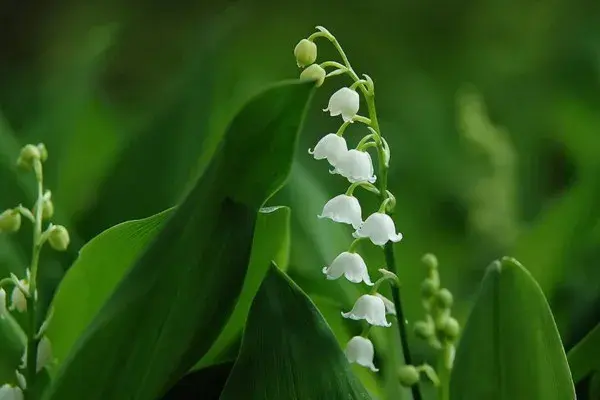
pixel 444 298
pixel 29 153
pixel 430 261
pixel 305 52
pixel 43 152
pixel 429 288
pixel 408 375
pixel 59 238
pixel 314 73
pixel 10 220
pixel 423 330
pixel 47 205
pixel 451 328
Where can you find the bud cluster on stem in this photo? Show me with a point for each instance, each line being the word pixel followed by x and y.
pixel 24 294
pixel 356 166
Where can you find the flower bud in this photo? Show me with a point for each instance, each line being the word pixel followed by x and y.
pixel 305 53
pixel 451 328
pixel 17 298
pixel 59 238
pixel 423 330
pixel 10 392
pixel 43 152
pixel 430 261
pixel 444 298
pixel 47 205
pixel 314 73
pixel 29 154
pixel 429 288
pixel 10 220
pixel 408 375
pixel 44 354
pixel 3 309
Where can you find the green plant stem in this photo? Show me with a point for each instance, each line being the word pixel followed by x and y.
pixel 443 371
pixel 389 249
pixel 32 342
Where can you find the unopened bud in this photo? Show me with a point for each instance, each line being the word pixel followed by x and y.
pixel 10 220
pixel 29 154
pixel 430 261
pixel 444 298
pixel 305 52
pixel 429 288
pixel 408 375
pixel 43 151
pixel 59 238
pixel 3 309
pixel 451 328
pixel 44 354
pixel 17 298
pixel 314 73
pixel 47 205
pixel 423 330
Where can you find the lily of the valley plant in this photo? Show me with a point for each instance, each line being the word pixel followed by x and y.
pixel 355 164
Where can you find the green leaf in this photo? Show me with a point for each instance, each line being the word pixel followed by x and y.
pixel 510 348
pixel 168 310
pixel 271 242
pixel 206 383
pixel 584 358
pixel 102 264
pixel 288 350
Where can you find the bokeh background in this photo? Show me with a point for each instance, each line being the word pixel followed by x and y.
pixel 491 109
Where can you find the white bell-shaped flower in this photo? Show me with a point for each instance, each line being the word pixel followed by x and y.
pixel 380 228
pixel 356 166
pixel 331 147
pixel 351 265
pixel 9 392
pixel 360 350
pixel 3 309
pixel 344 209
pixel 370 308
pixel 44 354
pixel 344 102
pixel 17 297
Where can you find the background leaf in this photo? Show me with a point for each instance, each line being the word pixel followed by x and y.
pixel 12 346
pixel 288 350
pixel 510 348
pixel 584 358
pixel 178 295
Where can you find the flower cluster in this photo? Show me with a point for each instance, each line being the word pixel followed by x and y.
pixel 23 297
pixel 356 166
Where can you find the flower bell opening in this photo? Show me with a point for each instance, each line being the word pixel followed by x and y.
pixel 351 266
pixel 371 309
pixel 344 209
pixel 379 228
pixel 360 350
pixel 344 102
pixel 331 147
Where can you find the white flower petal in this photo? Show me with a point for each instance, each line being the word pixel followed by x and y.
pixel 18 299
pixel 344 209
pixel 351 265
pixel 379 228
pixel 370 308
pixel 331 147
pixel 356 166
pixel 3 309
pixel 9 392
pixel 44 354
pixel 344 102
pixel 360 350
pixel 390 308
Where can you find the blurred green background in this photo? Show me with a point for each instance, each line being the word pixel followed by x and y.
pixel 491 109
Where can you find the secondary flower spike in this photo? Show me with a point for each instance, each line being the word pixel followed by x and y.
pixel 356 166
pixel 344 102
pixel 360 350
pixel 331 147
pixel 351 265
pixel 370 308
pixel 380 228
pixel 345 209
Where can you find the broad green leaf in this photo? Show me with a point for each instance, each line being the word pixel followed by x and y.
pixel 271 242
pixel 170 307
pixel 594 386
pixel 206 383
pixel 288 350
pixel 12 345
pixel 510 348
pixel 102 264
pixel 584 358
